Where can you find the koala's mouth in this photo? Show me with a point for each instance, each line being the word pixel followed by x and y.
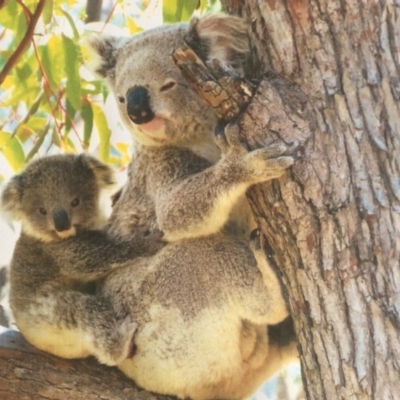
pixel 66 233
pixel 157 124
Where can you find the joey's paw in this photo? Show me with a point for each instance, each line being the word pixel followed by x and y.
pixel 115 197
pixel 120 345
pixel 127 330
pixel 228 140
pixel 153 234
pixel 269 162
pixel 153 241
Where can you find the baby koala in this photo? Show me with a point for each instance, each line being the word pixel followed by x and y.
pixel 61 253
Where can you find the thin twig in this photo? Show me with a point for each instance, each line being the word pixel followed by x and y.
pixel 24 44
pixel 28 12
pixel 109 16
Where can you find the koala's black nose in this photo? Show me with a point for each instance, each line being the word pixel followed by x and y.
pixel 138 105
pixel 61 220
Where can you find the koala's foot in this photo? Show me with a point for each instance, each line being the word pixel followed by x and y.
pixel 255 240
pixel 270 277
pixel 258 252
pixel 119 345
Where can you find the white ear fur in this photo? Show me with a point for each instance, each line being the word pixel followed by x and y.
pixel 224 36
pixel 104 174
pixel 11 198
pixel 99 51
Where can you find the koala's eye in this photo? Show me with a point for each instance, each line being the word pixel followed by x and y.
pixel 167 85
pixel 121 99
pixel 75 202
pixel 42 211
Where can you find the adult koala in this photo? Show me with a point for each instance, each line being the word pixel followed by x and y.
pixel 204 302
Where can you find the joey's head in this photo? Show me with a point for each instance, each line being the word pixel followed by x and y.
pixel 56 196
pixel 155 102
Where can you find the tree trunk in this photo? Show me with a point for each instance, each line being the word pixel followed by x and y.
pixel 332 224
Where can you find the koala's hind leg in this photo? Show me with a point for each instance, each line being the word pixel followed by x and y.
pixel 99 333
pixel 261 298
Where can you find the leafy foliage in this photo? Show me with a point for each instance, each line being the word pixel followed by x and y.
pixel 48 102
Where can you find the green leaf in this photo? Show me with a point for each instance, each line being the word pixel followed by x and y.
pixel 103 131
pixel 7 15
pixel 178 10
pixel 52 59
pixel 72 23
pixel 73 89
pixel 23 72
pixel 47 11
pixel 21 94
pixel 69 116
pixel 21 26
pixel 37 123
pixel 87 116
pixel 12 150
pixel 39 141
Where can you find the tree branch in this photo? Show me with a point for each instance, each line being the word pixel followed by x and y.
pixel 221 88
pixel 24 44
pixel 27 373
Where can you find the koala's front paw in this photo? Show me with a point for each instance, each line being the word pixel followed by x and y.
pixel 268 163
pixel 259 165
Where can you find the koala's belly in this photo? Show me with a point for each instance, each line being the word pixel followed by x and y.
pixel 200 357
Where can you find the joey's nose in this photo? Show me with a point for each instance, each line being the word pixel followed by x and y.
pixel 61 220
pixel 138 105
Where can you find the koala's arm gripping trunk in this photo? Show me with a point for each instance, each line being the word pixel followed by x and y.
pixel 91 255
pixel 200 204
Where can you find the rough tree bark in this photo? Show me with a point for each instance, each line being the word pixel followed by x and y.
pixel 332 224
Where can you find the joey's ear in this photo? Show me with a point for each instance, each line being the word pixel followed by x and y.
pixel 100 54
pixel 219 36
pixel 104 174
pixel 11 197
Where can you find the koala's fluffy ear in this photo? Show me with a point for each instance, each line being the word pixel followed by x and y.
pixel 11 197
pixel 219 36
pixel 104 174
pixel 100 51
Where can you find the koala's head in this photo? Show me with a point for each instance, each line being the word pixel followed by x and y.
pixel 155 101
pixel 56 196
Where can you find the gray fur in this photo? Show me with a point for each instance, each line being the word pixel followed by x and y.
pixel 52 273
pixel 204 302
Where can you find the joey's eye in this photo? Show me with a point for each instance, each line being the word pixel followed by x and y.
pixel 75 202
pixel 121 99
pixel 42 211
pixel 167 85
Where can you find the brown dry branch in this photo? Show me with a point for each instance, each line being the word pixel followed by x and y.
pixel 219 87
pixel 24 44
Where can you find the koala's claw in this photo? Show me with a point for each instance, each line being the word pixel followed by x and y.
pixel 255 239
pixel 229 139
